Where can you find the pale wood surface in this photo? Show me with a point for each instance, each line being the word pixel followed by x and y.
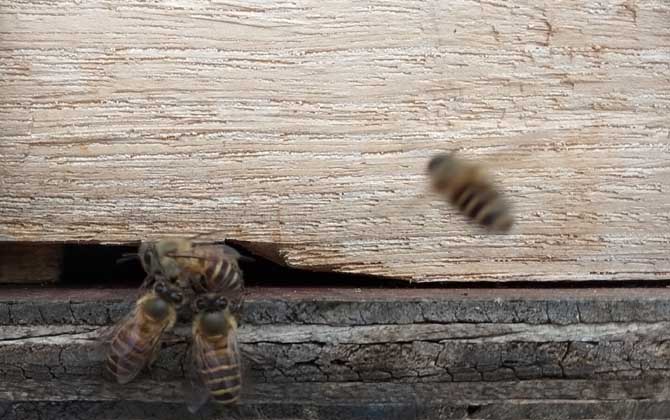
pixel 308 125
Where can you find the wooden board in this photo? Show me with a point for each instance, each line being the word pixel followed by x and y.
pixel 534 400
pixel 30 263
pixel 305 128
pixel 360 354
pixel 317 335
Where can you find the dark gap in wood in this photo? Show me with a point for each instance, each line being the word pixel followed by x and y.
pixel 264 272
pixel 98 265
pixel 638 295
pixel 105 265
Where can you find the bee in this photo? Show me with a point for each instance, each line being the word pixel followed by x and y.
pixel 196 267
pixel 215 355
pixel 135 340
pixel 159 262
pixel 468 188
pixel 214 268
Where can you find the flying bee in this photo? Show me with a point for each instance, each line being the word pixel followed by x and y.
pixel 468 188
pixel 135 340
pixel 215 355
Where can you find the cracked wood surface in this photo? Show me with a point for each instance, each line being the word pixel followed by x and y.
pixel 328 354
pixel 430 336
pixel 304 129
pixel 532 400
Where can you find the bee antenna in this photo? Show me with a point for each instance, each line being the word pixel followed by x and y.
pixel 202 234
pixel 196 257
pixel 246 258
pixel 127 257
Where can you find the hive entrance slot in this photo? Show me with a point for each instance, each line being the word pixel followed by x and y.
pixel 98 265
pixel 93 265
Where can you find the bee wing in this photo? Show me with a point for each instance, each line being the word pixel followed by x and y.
pixel 100 344
pixel 237 306
pixel 217 371
pixel 229 250
pixel 132 346
pixel 197 393
pixel 399 206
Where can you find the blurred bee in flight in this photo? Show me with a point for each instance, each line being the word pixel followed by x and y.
pixel 468 188
pixel 135 340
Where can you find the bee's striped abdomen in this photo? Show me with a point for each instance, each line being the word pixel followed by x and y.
pixel 127 356
pixel 483 205
pixel 232 279
pixel 222 377
pixel 470 191
pixel 137 338
pixel 479 201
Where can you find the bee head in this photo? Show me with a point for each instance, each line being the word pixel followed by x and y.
pixel 148 256
pixel 158 257
pixel 210 303
pixel 220 303
pixel 440 161
pixel 168 294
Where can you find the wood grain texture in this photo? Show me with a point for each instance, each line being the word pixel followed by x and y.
pixel 361 354
pixel 534 400
pixel 305 127
pixel 30 263
pixel 427 338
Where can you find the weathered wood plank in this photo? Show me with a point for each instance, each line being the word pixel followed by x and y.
pixel 628 352
pixel 30 263
pixel 536 400
pixel 361 353
pixel 305 127
pixel 346 306
pixel 440 336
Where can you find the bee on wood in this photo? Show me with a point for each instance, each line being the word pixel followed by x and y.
pixel 468 188
pixel 158 260
pixel 214 268
pixel 135 340
pixel 215 356
pixel 195 267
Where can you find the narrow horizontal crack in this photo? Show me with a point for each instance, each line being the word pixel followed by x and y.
pixel 35 336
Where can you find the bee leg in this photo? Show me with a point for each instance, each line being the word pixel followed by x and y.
pixel 259 414
pixel 147 283
pixel 152 370
pixel 170 339
pixel 201 280
pixel 154 355
pixel 232 412
pixel 254 358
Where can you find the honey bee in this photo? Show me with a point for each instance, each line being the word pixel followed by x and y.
pixel 159 262
pixel 215 355
pixel 198 268
pixel 215 269
pixel 467 187
pixel 135 340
